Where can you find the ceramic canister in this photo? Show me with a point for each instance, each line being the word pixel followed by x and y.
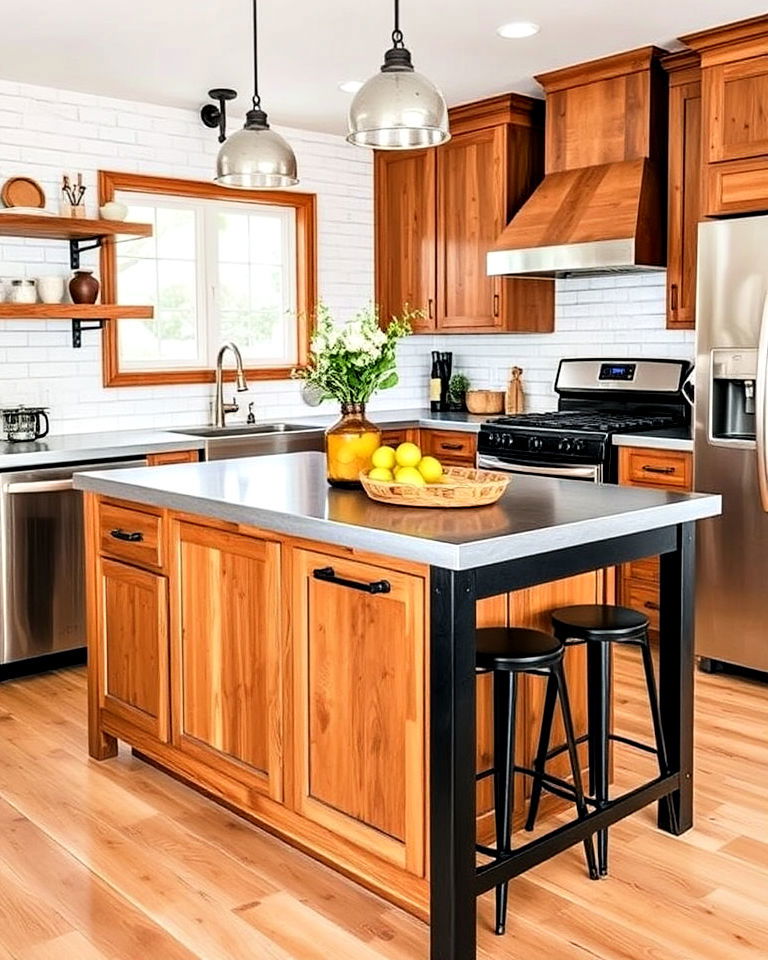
pixel 50 289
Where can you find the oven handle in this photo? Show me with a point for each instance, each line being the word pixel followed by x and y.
pixel 584 473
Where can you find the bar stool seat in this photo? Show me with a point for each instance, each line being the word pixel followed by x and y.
pixel 593 621
pixel 508 652
pixel 516 649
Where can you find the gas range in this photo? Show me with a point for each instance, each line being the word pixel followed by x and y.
pixel 596 399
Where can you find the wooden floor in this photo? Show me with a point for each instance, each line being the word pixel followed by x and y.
pixel 115 861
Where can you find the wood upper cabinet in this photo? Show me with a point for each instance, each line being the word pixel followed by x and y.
pixel 439 211
pixel 227 655
pixel 406 224
pixel 471 207
pixel 685 182
pixel 735 120
pixel 359 705
pixel 134 648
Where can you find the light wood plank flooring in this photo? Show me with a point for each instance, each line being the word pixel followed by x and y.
pixel 115 861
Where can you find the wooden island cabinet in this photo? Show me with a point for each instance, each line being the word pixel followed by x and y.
pixel 253 666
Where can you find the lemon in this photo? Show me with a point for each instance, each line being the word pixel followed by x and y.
pixel 407 455
pixel 411 476
pixel 380 473
pixel 431 469
pixel 384 457
pixel 365 444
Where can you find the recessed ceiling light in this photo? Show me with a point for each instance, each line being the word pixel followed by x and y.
pixel 518 29
pixel 351 86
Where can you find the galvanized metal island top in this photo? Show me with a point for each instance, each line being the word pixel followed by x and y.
pixel 289 494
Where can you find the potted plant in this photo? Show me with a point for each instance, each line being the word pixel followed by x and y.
pixel 349 362
pixel 457 392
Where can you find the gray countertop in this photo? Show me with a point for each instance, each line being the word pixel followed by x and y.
pixel 289 494
pixel 674 439
pixel 82 447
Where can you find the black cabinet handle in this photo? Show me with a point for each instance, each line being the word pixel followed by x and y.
pixel 673 298
pixel 651 605
pixel 431 308
pixel 126 535
pixel 329 576
pixel 496 302
pixel 451 446
pixel 649 469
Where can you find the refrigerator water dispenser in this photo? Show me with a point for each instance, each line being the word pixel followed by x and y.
pixel 733 395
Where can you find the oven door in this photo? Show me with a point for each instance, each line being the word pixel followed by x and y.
pixel 591 472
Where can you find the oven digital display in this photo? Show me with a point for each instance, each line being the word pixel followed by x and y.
pixel 617 371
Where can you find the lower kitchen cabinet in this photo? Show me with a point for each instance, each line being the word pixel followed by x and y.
pixel 451 447
pixel 663 470
pixel 359 705
pixel 134 655
pixel 227 656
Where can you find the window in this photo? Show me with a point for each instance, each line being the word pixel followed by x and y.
pixel 221 265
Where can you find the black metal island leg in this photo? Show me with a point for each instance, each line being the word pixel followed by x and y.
pixel 676 674
pixel 453 908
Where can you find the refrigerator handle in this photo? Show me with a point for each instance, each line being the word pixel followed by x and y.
pixel 761 408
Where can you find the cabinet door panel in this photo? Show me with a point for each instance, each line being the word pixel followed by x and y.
pixel 230 710
pixel 472 200
pixel 736 94
pixel 405 234
pixel 359 705
pixel 684 202
pixel 135 641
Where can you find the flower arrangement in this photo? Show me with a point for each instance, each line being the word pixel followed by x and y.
pixel 350 362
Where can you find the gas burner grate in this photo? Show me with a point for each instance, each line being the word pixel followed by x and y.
pixel 588 421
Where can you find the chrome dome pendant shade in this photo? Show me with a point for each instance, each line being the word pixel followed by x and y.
pixel 256 157
pixel 398 108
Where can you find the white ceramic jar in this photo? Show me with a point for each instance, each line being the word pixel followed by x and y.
pixel 23 291
pixel 50 289
pixel 114 210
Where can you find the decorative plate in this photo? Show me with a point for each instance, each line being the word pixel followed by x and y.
pixel 22 192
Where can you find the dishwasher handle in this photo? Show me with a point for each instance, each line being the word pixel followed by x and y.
pixel 40 486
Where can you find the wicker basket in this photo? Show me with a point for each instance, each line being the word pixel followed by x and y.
pixel 459 487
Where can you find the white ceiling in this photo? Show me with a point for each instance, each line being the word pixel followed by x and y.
pixel 173 51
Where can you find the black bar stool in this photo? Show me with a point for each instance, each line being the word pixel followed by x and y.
pixel 508 652
pixel 599 626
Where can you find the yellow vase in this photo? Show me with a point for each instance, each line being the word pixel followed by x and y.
pixel 349 445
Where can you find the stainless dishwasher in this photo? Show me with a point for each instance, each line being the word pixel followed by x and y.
pixel 42 592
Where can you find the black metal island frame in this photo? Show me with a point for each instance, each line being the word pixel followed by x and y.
pixel 456 881
pixel 540 531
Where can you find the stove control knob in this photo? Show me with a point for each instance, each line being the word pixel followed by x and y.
pixel 565 445
pixel 578 446
pixel 535 443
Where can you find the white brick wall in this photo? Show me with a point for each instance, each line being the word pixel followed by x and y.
pixel 45 132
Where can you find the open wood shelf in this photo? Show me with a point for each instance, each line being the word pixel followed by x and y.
pixel 67 228
pixel 73 311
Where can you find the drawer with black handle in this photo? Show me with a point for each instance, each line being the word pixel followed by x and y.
pixel 131 534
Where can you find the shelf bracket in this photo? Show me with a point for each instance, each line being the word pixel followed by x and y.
pixel 77 329
pixel 80 245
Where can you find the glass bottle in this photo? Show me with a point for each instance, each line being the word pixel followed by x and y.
pixel 349 446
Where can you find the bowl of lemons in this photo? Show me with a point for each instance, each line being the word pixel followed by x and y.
pixel 404 477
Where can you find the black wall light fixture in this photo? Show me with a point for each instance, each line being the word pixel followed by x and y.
pixel 213 116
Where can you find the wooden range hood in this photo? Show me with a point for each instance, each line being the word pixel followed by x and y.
pixel 601 205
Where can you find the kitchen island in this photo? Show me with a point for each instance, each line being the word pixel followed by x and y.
pixel 307 656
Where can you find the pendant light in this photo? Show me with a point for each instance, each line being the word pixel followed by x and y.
pixel 256 157
pixel 398 108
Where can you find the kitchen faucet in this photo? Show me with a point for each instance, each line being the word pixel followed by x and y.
pixel 221 409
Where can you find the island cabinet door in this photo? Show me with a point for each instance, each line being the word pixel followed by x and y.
pixel 227 658
pixel 135 681
pixel 359 692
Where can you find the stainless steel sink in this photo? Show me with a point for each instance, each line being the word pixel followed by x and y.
pixel 256 439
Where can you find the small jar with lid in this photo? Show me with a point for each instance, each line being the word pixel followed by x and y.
pixel 23 291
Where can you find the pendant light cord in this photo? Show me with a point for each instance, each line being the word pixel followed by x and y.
pixel 397 33
pixel 256 98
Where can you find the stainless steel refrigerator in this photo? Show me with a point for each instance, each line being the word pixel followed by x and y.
pixel 730 445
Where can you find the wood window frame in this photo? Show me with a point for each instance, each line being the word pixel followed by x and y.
pixel 305 205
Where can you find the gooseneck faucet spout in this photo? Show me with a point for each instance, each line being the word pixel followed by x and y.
pixel 221 409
